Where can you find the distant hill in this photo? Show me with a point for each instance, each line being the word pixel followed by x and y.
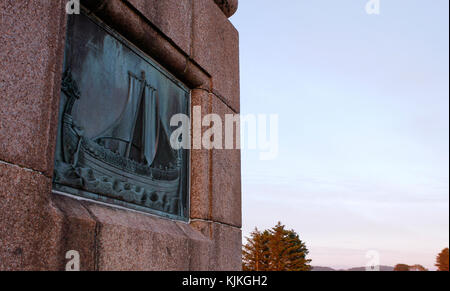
pixel 322 269
pixel 382 268
pixel 357 269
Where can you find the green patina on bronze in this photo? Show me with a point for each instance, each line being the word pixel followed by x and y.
pixel 114 125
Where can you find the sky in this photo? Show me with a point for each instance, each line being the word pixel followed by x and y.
pixel 363 105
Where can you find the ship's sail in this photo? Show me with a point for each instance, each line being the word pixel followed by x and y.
pixel 151 120
pixel 135 133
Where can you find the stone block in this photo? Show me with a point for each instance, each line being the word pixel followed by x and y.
pixel 31 54
pixel 78 232
pixel 128 240
pixel 28 238
pixel 200 163
pixel 226 173
pixel 227 247
pixel 172 17
pixel 216 49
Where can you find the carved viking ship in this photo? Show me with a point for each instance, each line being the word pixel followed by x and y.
pixel 124 161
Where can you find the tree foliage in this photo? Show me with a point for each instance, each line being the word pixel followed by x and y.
pixel 442 260
pixel 406 268
pixel 275 249
pixel 401 268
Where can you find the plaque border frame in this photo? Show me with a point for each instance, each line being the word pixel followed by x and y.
pixel 79 194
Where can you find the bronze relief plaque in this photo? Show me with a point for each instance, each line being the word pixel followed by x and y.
pixel 114 124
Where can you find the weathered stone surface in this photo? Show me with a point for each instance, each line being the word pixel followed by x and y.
pixel 27 239
pixel 201 199
pixel 227 249
pixel 200 248
pixel 229 7
pixel 37 228
pixel 31 40
pixel 172 17
pixel 128 240
pixel 78 232
pixel 215 175
pixel 226 187
pixel 226 170
pixel 216 49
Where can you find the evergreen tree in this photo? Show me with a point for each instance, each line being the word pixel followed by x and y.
pixel 276 249
pixel 256 252
pixel 442 260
